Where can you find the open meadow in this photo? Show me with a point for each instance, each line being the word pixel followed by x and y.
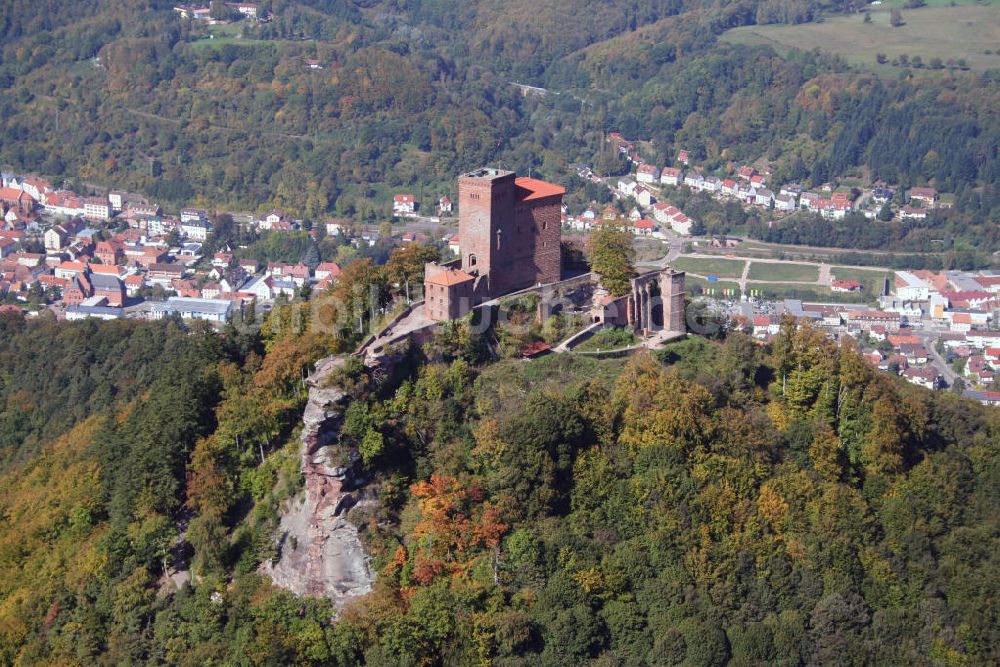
pixel 964 32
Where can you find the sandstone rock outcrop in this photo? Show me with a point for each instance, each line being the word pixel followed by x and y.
pixel 320 553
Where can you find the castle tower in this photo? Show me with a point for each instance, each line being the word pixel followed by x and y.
pixel 509 230
pixel 672 294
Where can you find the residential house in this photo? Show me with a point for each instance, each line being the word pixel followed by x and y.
pixel 882 196
pixel 325 270
pixel 271 219
pixel 141 209
pixel 36 188
pixel 925 196
pixel 69 270
pixel 196 230
pixel 695 181
pixel 97 208
pixel 681 224
pixel 18 200
pixel 866 319
pixel 712 184
pixel 746 173
pixel 791 189
pixel 193 215
pixel 915 353
pixel 647 173
pixel 785 203
pixel 134 283
pixel 729 188
pixel 810 201
pixel 644 227
pixel 845 286
pixel 626 186
pixel 404 205
pixel 55 238
pixel 297 273
pixel 336 227
pixel 64 203
pixel 911 213
pixel 164 274
pixel 670 176
pixel 926 377
pixel 683 158
pixel 643 196
pixel 764 197
pixel 444 205
pixel 109 252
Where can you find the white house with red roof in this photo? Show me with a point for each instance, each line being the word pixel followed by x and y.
pixel 845 286
pixel 670 176
pixel 644 227
pixel 647 173
pixel 326 270
pixel 404 205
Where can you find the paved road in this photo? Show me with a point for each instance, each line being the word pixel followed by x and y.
pixel 929 338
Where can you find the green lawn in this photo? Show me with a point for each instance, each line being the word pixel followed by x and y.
pixel 802 273
pixel 723 268
pixel 945 32
pixel 872 279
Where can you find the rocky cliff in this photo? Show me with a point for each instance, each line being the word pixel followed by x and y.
pixel 320 553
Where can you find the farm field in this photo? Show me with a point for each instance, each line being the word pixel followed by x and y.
pixel 945 32
pixel 800 273
pixel 722 268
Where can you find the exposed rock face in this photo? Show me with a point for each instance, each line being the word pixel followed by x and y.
pixel 320 551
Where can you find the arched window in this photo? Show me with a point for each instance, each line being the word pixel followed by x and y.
pixel 472 260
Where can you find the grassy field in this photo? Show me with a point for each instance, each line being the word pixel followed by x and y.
pixel 723 268
pixel 871 279
pixel 221 35
pixel 783 272
pixel 941 31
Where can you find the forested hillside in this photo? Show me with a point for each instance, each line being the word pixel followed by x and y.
pixel 715 503
pixel 116 94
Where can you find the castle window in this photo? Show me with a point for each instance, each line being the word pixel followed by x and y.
pixel 545 224
pixel 472 260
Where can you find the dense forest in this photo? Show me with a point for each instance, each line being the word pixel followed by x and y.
pixel 127 94
pixel 717 502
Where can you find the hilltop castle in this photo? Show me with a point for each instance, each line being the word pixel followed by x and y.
pixel 509 232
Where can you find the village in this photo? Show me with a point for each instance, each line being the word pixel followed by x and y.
pixel 648 186
pixel 931 328
pixel 119 255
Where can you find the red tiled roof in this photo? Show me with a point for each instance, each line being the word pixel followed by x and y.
pixel 449 277
pixel 538 189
